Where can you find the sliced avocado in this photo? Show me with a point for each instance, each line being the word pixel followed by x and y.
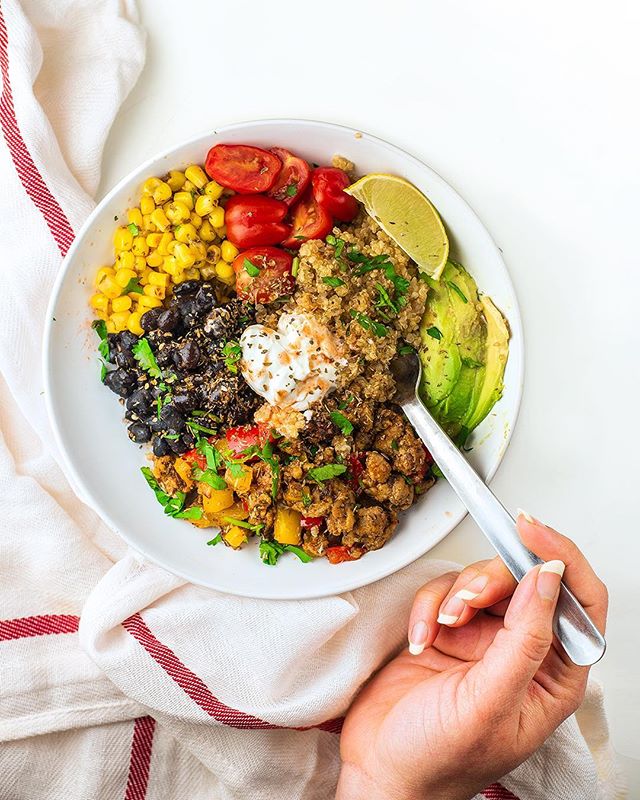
pixel 497 352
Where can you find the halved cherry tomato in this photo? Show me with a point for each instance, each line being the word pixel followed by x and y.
pixel 328 184
pixel 254 221
pixel 356 469
pixel 338 554
pixel 310 221
pixel 245 436
pixel 293 179
pixel 243 168
pixel 273 280
pixel 194 457
pixel 311 522
pixel 428 461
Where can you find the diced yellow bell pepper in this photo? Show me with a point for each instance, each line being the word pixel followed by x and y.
pixel 242 482
pixel 183 468
pixel 235 536
pixel 287 526
pixel 217 500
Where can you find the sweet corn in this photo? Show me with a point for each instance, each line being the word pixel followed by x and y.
pixel 228 251
pixel 100 302
pixel 184 197
pixel 179 275
pixel 154 239
pixel 155 259
pixel 121 304
pixel 144 277
pixel 145 302
pixel 120 320
pixel 149 227
pixel 184 256
pixel 110 288
pixel 188 187
pixel 216 217
pixel 287 526
pixel 186 233
pixel 154 291
pixel 158 279
pixel 159 219
pixel 170 265
pixel 221 232
pixel 236 537
pixel 177 212
pixel 224 271
pixel 134 216
pixel 102 273
pixel 123 276
pixel 125 260
pixel 204 205
pixel 171 247
pixel 150 185
pixel 111 328
pixel 141 264
pixel 176 180
pixel 196 175
pixel 213 254
pixel 147 206
pixel 192 274
pixel 199 250
pixel 213 190
pixel 207 272
pixel 206 232
pixel 140 246
pixel 195 219
pixel 122 239
pixel 133 323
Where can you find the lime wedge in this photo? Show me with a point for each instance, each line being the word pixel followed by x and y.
pixel 407 216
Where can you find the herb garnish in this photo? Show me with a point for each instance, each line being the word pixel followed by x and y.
pixel 209 477
pixel 306 500
pixel 406 350
pixel 265 453
pixel 341 422
pixel 216 540
pixel 212 455
pixel 241 523
pixel 331 281
pixel 434 332
pixel 232 354
pixel 344 403
pixel 195 426
pixel 326 472
pixel 133 285
pixel 133 228
pixel 100 327
pixel 292 189
pixel 270 552
pixel 173 506
pixel 143 354
pixel 295 266
pixel 369 324
pixel 454 287
pixel 250 268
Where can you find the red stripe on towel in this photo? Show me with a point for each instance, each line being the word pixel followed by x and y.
pixel 498 792
pixel 37 626
pixel 30 177
pixel 140 759
pixel 196 689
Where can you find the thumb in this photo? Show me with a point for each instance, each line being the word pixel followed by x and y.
pixel 518 649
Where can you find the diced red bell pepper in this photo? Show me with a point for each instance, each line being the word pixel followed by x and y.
pixel 245 436
pixel 356 468
pixel 195 457
pixel 311 522
pixel 336 555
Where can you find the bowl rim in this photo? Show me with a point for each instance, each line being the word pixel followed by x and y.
pixel 516 349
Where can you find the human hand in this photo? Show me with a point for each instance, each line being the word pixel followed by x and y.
pixel 486 684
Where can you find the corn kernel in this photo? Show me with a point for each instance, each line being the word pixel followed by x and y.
pixel 216 217
pixel 179 275
pixel 192 274
pixel 206 232
pixel 109 287
pixel 133 323
pixel 213 190
pixel 150 185
pixel 184 256
pixel 199 250
pixel 206 273
pixel 145 302
pixel 122 239
pixel 120 320
pixel 163 247
pixel 134 216
pixel 141 264
pixel 123 276
pixel 100 302
pixel 111 328
pixel 121 304
pixel 140 246
pixel 224 271
pixel 159 219
pixel 188 187
pixel 125 260
pixel 144 277
pixel 147 225
pixel 155 259
pixel 196 175
pixel 102 273
pixel 186 233
pixel 176 180
pixel 195 219
pixel 213 254
pixel 229 251
pixel 177 212
pixel 147 206
pixel 158 279
pixel 153 239
pixel 184 197
pixel 154 291
pixel 204 205
pixel 221 232
pixel 170 265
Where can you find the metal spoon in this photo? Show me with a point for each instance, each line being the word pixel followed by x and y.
pixel 577 634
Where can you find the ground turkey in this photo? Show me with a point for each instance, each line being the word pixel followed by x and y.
pixel 374 527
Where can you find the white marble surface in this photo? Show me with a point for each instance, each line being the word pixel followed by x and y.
pixel 532 114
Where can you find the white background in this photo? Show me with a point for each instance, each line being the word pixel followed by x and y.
pixel 532 114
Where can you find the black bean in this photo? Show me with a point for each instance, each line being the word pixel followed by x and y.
pixel 140 402
pixel 112 341
pixel 186 287
pixel 160 447
pixel 127 340
pixel 139 432
pixel 120 381
pixel 171 419
pixel 184 402
pixel 164 355
pixel 125 359
pixel 206 298
pixel 168 320
pixel 188 356
pixel 149 320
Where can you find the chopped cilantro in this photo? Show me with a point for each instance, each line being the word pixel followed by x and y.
pixel 250 268
pixel 132 286
pixel 195 512
pixel 216 540
pixel 232 354
pixel 331 281
pixel 344 403
pixel 369 324
pixel 326 472
pixel 195 426
pixel 241 523
pixel 209 477
pixel 406 350
pixel 212 455
pixel 292 189
pixel 341 422
pixel 172 436
pixel 100 327
pixel 455 288
pixel 103 370
pixel 133 228
pixel 143 354
pixel 173 506
pixel 235 470
pixel 434 332
pixel 394 445
pixel 270 552
pixel 306 500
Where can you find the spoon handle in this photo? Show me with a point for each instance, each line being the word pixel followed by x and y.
pixel 576 632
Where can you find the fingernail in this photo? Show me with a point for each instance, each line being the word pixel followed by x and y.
pixel 451 611
pixel 549 577
pixel 418 638
pixel 526 515
pixel 473 588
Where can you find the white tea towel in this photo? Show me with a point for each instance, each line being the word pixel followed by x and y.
pixel 118 679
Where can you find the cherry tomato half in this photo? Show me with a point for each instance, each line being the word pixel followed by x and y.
pixel 195 457
pixel 243 168
pixel 338 554
pixel 328 184
pixel 311 522
pixel 293 179
pixel 245 436
pixel 273 280
pixel 253 221
pixel 310 221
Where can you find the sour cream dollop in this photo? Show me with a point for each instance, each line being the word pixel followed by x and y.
pixel 293 366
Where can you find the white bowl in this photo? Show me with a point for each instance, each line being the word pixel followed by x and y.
pixel 104 466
